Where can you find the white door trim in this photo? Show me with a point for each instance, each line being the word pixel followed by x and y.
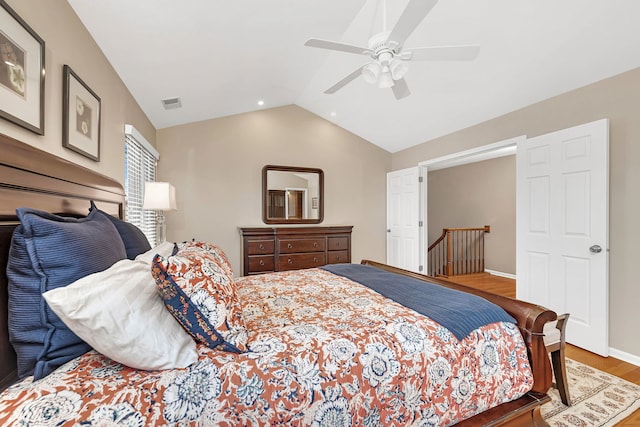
pixel 506 147
pixel 495 150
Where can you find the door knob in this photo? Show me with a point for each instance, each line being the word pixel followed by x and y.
pixel 595 249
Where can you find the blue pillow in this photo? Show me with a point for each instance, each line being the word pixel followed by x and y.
pixel 135 242
pixel 48 252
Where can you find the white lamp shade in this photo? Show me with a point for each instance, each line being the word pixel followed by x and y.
pixel 370 73
pixel 398 69
pixel 159 196
pixel 385 79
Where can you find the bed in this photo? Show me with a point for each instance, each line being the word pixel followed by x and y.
pixel 323 349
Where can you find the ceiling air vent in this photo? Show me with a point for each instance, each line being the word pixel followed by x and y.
pixel 171 103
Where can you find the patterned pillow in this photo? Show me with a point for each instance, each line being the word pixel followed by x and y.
pixel 214 251
pixel 202 297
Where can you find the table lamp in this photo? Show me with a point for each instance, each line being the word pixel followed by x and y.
pixel 159 197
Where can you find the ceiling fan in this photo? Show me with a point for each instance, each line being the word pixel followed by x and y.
pixel 389 55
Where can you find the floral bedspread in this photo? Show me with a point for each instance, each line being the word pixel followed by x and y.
pixel 325 351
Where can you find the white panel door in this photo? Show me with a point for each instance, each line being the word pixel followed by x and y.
pixel 562 229
pixel 403 217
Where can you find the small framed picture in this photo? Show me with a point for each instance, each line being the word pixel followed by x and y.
pixel 80 116
pixel 21 72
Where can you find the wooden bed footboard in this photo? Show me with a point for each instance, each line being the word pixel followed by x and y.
pixel 530 319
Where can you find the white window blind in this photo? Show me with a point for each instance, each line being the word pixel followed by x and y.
pixel 140 167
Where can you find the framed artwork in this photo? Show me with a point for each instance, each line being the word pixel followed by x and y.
pixel 80 116
pixel 21 72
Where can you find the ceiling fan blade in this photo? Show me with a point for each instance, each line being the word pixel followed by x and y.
pixel 344 82
pixel 442 53
pixel 413 14
pixel 326 44
pixel 400 89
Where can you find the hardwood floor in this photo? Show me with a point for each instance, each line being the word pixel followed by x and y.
pixel 507 287
pixel 488 282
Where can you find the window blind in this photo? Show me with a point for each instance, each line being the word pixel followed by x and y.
pixel 140 167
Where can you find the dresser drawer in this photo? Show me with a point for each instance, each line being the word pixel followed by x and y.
pixel 260 247
pixel 298 261
pixel 338 243
pixel 266 249
pixel 290 246
pixel 337 257
pixel 261 264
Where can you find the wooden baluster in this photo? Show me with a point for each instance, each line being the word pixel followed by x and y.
pixel 458 253
pixel 475 252
pixel 482 259
pixel 449 255
pixel 467 267
pixel 479 238
pixel 459 257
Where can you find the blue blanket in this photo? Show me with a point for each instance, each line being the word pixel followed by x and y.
pixel 457 311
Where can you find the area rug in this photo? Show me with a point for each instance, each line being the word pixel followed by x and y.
pixel 599 399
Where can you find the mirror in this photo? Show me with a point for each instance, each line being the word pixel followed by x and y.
pixel 292 195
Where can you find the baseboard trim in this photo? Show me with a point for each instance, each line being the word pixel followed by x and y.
pixel 501 274
pixel 624 356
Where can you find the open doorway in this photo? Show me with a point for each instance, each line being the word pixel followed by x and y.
pixel 462 190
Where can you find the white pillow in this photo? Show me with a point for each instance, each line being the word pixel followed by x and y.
pixel 165 249
pixel 119 313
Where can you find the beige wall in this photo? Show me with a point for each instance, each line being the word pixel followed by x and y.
pixel 474 195
pixel 216 167
pixel 68 42
pixel 618 99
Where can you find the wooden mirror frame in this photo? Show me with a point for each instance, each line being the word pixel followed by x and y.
pixel 265 195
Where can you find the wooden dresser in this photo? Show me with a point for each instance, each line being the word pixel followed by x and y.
pixel 268 249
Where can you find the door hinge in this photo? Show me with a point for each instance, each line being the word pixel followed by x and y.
pixel 420 224
pixel 419 179
pixel 420 268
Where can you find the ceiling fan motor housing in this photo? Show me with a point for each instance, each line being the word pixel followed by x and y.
pixel 381 48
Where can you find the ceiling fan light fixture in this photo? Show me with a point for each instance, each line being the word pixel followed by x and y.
pixel 385 80
pixel 398 68
pixel 371 72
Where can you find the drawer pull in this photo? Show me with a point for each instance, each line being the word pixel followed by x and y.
pixel 289 261
pixel 315 259
pixel 315 244
pixel 261 262
pixel 289 245
pixel 261 247
pixel 338 258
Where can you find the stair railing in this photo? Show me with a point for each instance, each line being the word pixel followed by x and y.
pixel 457 251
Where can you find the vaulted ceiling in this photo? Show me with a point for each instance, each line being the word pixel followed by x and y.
pixel 221 57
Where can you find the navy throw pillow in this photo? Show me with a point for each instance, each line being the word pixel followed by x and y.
pixel 135 242
pixel 47 252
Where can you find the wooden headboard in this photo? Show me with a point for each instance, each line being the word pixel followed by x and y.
pixel 32 178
